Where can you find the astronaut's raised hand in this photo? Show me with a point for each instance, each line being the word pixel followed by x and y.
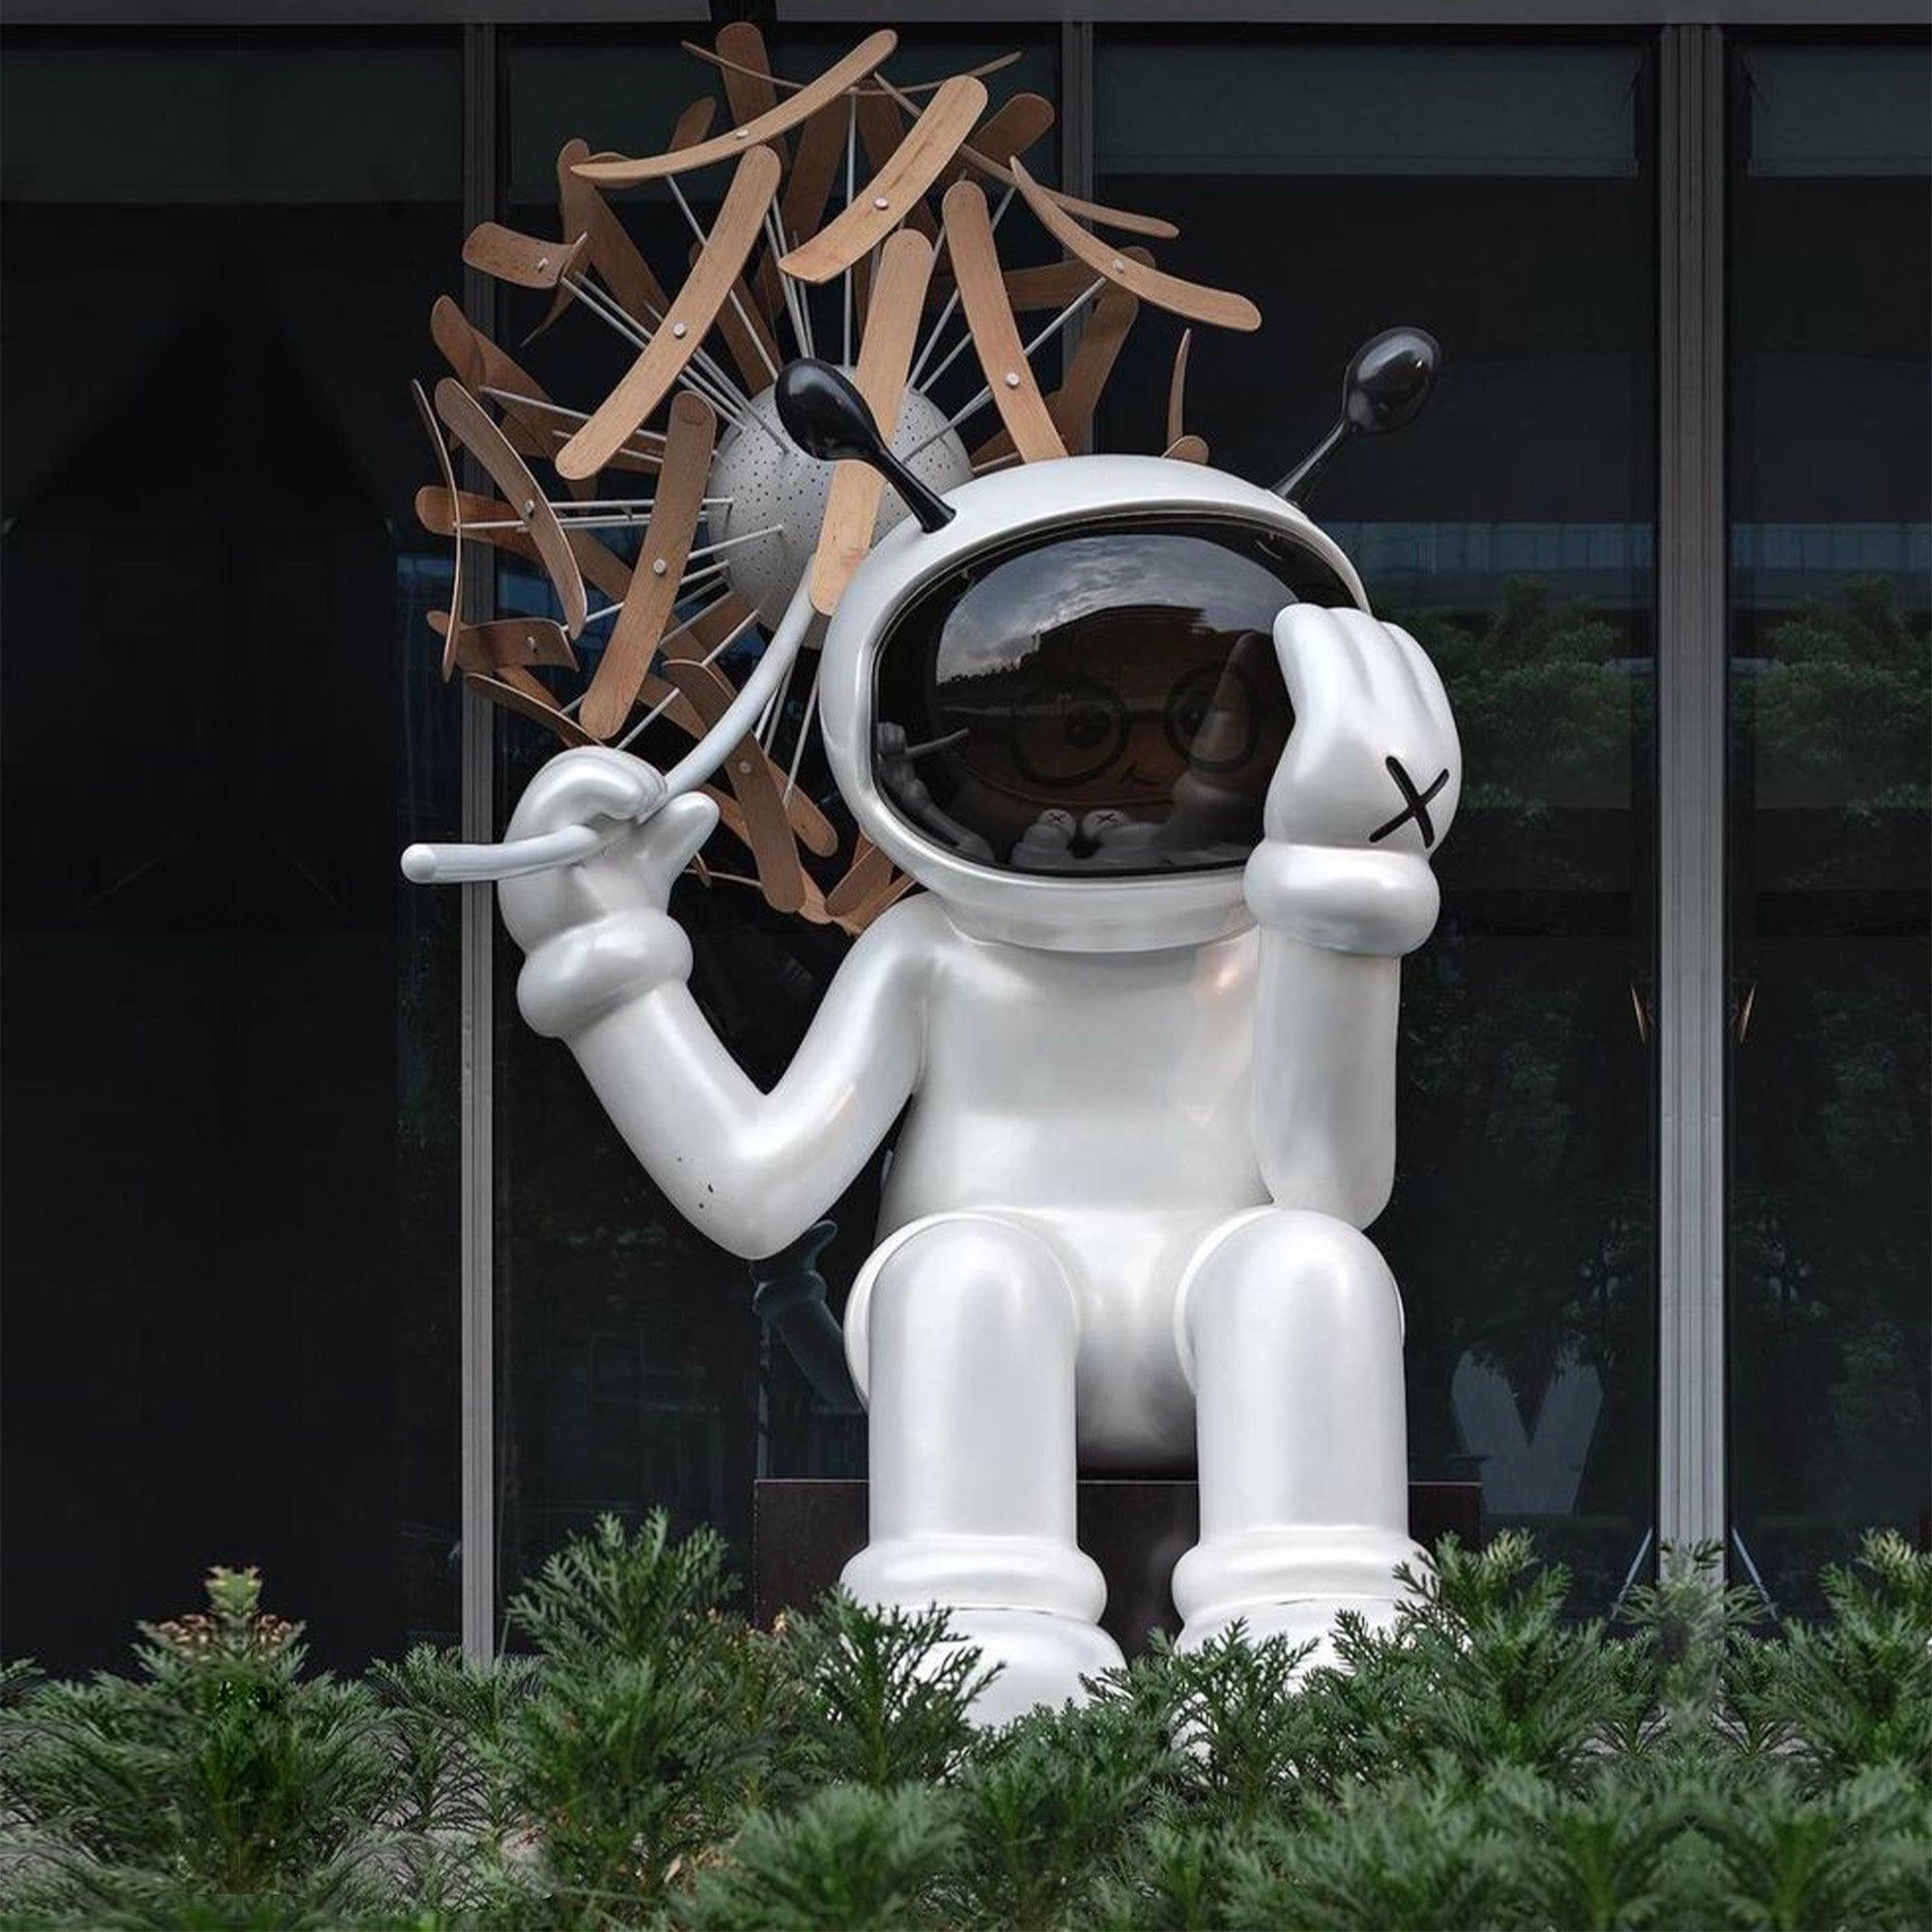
pixel 1366 789
pixel 598 929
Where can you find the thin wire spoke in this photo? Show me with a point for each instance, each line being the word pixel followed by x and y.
pixel 717 650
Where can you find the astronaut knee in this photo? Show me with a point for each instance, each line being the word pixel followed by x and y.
pixel 1291 1273
pixel 962 1289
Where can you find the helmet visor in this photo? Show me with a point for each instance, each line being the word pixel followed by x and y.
pixel 1095 700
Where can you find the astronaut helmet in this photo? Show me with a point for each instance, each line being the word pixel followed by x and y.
pixel 1060 711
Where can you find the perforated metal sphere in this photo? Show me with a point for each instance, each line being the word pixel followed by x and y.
pixel 770 480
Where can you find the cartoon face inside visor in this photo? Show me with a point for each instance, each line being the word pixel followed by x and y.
pixel 1095 700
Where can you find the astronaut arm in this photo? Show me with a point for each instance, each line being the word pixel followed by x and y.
pixel 606 973
pixel 1341 887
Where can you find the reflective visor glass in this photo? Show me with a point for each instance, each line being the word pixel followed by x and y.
pixel 1100 700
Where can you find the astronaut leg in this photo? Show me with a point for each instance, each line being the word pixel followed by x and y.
pixel 962 1336
pixel 1290 1329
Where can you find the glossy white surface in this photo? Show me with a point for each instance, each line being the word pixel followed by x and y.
pixel 1147 1118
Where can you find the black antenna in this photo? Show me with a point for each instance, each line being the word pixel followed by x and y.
pixel 1388 380
pixel 829 419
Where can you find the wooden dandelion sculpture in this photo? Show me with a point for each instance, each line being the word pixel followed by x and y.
pixel 859 223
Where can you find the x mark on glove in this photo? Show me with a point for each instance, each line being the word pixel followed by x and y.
pixel 1416 804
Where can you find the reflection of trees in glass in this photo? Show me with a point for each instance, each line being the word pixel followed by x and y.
pixel 1521 1227
pixel 1830 1249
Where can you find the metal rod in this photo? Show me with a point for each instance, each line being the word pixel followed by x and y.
pixel 556 409
pixel 775 235
pixel 804 732
pixel 1045 336
pixel 664 703
pixel 731 543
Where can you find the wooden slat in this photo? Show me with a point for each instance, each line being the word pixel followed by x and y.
pixel 485 442
pixel 989 316
pixel 1122 218
pixel 868 874
pixel 1009 130
pixel 1187 449
pixel 892 195
pixel 434 431
pixel 747 76
pixel 884 356
pixel 612 253
pixel 866 58
pixel 527 259
pixel 1219 308
pixel 507 644
pixel 882 126
pixel 601 567
pixel 660 566
pixel 1177 389
pixel 536 704
pixel 821 151
pixel 481 364
pixel 692 311
pixel 890 894
pixel 745 331
pixel 1073 403
pixel 692 125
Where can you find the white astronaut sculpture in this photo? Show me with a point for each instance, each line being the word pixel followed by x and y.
pixel 1172 791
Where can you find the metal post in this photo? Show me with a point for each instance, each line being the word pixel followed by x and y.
pixel 479 1585
pixel 1692 612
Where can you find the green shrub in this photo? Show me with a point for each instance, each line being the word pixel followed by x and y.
pixel 657 1762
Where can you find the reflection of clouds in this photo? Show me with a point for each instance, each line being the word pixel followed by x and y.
pixel 999 621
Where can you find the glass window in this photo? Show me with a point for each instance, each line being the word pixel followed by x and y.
pixel 637 1363
pixel 1830 292
pixel 1498 195
pixel 231 1044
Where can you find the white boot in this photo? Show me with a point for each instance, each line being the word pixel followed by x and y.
pixel 962 1335
pixel 1290 1328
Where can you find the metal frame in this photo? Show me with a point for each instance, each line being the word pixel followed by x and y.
pixel 477 1588
pixel 1692 547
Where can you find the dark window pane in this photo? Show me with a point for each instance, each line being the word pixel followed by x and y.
pixel 231 1054
pixel 1498 195
pixel 1831 489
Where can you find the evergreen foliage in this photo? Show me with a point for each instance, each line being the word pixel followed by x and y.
pixel 655 1761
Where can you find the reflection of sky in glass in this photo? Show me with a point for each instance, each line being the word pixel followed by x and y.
pixel 1001 619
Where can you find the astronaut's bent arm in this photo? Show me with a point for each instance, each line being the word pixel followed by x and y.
pixel 1334 923
pixel 749 1170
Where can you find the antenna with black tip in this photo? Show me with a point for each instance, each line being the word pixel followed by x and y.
pixel 824 413
pixel 1388 380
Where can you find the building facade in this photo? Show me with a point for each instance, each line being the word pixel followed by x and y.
pixel 314 1257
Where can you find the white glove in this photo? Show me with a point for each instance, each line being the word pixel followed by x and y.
pixel 597 931
pixel 1366 789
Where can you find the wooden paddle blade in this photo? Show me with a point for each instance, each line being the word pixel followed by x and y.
pixel 1219 308
pixel 884 356
pixel 747 335
pixel 1176 387
pixel 868 872
pixel 747 76
pixel 659 565
pixel 611 252
pixel 433 431
pixel 754 781
pixel 891 196
pixel 688 316
pixel 486 443
pixel 1122 218
pixel 692 125
pixel 480 365
pixel 1073 403
pixel 528 700
pixel 864 59
pixel 1009 130
pixel 821 149
pixel 894 889
pixel 437 511
pixel 508 643
pixel 989 319
pixel 1187 449
pixel 527 259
